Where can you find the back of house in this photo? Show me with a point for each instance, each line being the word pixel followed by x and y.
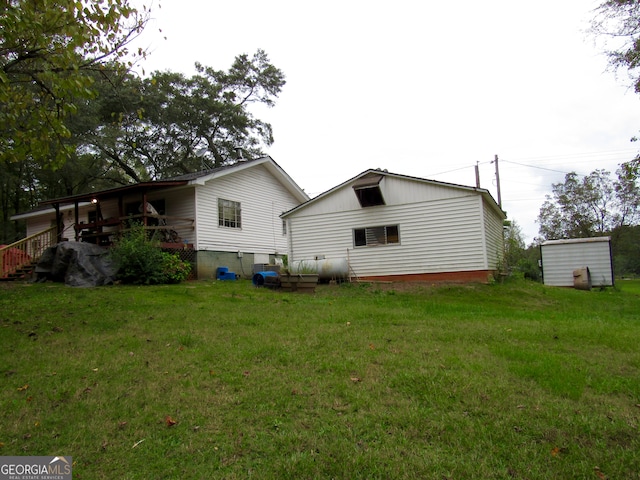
pixel 223 217
pixel 392 227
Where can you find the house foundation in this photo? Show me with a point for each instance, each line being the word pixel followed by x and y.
pixel 475 276
pixel 241 264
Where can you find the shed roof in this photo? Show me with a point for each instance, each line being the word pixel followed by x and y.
pixel 571 241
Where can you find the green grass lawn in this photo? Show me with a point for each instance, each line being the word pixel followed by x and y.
pixel 224 380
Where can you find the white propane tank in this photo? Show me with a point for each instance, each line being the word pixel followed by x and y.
pixel 327 269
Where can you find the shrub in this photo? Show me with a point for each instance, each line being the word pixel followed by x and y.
pixel 140 260
pixel 174 269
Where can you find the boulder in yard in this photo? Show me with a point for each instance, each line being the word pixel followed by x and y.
pixel 77 264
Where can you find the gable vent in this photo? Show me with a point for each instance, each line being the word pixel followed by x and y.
pixel 367 190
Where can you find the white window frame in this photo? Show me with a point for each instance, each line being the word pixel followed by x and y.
pixel 229 213
pixel 376 236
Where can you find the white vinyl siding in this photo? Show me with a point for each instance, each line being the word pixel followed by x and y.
pixel 44 222
pixel 442 235
pixel 263 200
pixel 179 203
pixel 494 237
pixel 396 191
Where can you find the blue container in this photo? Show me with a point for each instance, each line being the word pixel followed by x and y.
pixel 220 271
pixel 260 278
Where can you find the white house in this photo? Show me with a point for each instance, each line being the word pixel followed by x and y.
pixel 397 227
pixel 228 216
pixel 560 258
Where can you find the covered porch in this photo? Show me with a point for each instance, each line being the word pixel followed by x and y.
pixel 114 211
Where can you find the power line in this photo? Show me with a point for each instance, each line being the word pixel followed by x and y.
pixel 627 153
pixel 456 169
pixel 540 168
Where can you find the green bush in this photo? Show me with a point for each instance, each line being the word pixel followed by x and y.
pixel 174 269
pixel 141 261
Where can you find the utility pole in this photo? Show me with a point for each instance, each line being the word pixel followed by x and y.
pixel 498 181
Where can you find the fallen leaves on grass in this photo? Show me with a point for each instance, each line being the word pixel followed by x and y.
pixel 599 473
pixel 23 388
pixel 555 451
pixel 169 421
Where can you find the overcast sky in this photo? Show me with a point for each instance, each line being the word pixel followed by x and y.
pixel 427 89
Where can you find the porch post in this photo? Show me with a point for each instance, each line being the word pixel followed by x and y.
pixel 121 218
pixel 76 211
pixel 59 223
pixel 144 209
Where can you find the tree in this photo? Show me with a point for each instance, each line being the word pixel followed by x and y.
pixel 625 243
pixel 618 21
pixel 136 129
pixel 513 244
pixel 48 50
pixel 170 124
pixel 591 206
pixel 627 192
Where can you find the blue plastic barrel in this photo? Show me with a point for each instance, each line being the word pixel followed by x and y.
pixel 259 278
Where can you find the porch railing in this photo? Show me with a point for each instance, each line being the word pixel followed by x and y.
pixel 165 228
pixel 26 251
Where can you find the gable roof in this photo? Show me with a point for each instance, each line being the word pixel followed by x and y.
pixel 376 175
pixel 195 178
pixel 200 178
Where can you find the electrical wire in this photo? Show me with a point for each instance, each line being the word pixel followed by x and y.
pixel 535 166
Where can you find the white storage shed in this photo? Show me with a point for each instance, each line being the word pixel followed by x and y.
pixel 561 258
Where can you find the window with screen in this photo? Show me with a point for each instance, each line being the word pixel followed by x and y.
pixel 373 236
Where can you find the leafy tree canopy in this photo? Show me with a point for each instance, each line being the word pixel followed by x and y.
pixel 590 206
pixel 48 50
pixel 617 22
pixel 171 124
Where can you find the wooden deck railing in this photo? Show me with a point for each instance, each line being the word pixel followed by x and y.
pixel 25 251
pixel 165 228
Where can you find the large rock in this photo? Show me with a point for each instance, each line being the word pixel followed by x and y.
pixel 77 264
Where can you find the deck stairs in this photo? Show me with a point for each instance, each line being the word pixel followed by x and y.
pixel 18 260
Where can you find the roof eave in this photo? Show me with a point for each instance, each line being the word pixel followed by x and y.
pixel 115 192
